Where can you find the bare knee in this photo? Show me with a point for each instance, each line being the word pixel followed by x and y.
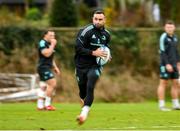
pixel 52 83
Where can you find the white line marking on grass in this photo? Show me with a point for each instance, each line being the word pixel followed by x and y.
pixel 111 129
pixel 131 127
pixel 165 127
pixel 174 126
pixel 158 126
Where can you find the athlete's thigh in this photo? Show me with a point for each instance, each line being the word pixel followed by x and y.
pixel 94 74
pixel 81 76
pixel 51 82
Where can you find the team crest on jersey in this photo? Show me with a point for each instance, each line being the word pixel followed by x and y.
pixel 175 39
pixel 103 37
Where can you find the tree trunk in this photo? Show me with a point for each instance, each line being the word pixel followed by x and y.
pixel 123 6
pixel 49 5
pixel 26 5
pixel 148 7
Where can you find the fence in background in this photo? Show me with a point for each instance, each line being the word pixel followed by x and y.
pixel 16 87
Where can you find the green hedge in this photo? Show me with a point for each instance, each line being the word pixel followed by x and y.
pixel 33 14
pixel 13 37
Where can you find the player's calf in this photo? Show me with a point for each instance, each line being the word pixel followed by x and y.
pixel 40 100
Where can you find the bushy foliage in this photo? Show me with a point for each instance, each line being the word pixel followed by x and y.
pixel 63 14
pixel 125 45
pixel 84 13
pixel 12 37
pixel 127 38
pixel 33 14
pixel 7 17
pixel 169 9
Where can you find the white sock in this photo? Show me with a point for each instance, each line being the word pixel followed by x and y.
pixel 47 101
pixel 175 103
pixel 40 103
pixel 41 93
pixel 85 111
pixel 161 103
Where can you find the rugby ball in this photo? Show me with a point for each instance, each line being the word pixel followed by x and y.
pixel 103 60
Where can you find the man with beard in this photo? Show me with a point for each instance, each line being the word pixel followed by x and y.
pixel 87 48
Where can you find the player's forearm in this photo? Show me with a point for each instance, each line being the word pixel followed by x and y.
pixel 54 64
pixel 83 51
pixel 48 52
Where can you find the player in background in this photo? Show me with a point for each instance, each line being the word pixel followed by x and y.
pixel 88 41
pixel 169 66
pixel 46 68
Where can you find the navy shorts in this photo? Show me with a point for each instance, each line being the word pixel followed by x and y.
pixel 45 74
pixel 164 74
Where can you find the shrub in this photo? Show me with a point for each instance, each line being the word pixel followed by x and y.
pixel 124 44
pixel 7 17
pixel 63 13
pixel 12 37
pixel 33 14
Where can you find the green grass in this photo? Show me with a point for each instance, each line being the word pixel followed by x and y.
pixel 136 116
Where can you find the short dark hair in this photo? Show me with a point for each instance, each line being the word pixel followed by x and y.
pixel 99 11
pixel 46 31
pixel 169 22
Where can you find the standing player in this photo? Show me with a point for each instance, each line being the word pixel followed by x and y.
pixel 169 66
pixel 87 49
pixel 45 68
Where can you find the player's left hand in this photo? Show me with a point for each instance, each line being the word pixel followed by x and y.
pixel 99 53
pixel 57 71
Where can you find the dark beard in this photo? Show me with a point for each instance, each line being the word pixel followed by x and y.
pixel 99 26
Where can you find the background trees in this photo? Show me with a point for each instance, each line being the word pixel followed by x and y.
pixel 63 13
pixel 169 10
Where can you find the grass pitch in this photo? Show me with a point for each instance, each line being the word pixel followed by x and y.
pixel 130 116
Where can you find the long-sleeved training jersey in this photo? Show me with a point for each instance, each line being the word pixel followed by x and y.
pixel 44 62
pixel 89 39
pixel 168 50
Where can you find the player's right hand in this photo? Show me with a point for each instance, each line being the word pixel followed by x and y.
pixel 99 53
pixel 53 42
pixel 169 68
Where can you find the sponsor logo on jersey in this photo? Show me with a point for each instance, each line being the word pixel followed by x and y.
pixel 169 39
pixel 96 44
